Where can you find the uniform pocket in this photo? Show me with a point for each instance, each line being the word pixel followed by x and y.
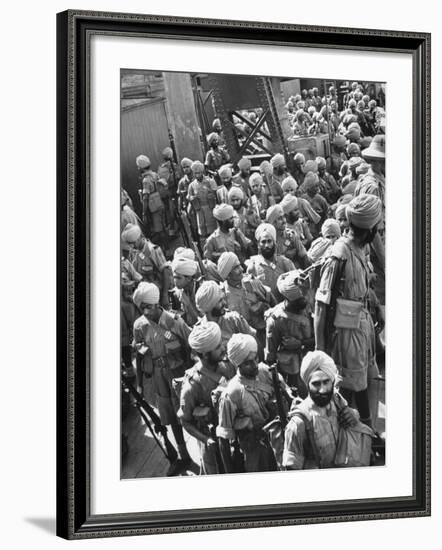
pixel 348 314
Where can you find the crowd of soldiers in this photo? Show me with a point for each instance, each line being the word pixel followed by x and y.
pixel 260 334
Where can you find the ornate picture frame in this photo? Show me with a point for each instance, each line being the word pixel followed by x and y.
pixel 75 30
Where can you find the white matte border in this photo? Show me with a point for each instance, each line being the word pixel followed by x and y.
pixel 109 494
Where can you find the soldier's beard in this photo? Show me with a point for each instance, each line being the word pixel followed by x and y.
pixel 268 253
pixel 218 311
pixel 321 399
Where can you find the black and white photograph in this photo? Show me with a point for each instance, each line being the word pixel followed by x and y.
pixel 252 240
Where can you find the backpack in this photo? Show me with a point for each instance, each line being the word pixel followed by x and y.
pixel 354 445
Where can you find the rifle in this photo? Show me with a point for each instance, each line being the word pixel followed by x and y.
pixel 187 235
pixel 218 458
pixel 158 429
pixel 278 395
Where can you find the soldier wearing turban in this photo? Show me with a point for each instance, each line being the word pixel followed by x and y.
pixel 291 206
pixel 245 294
pixel 226 237
pixel 309 191
pixel 210 300
pixel 202 199
pixel 288 243
pixel 182 195
pixel 148 260
pixel 217 155
pixel 161 342
pixel 337 156
pixel 267 265
pixel 242 178
pixel 153 212
pixel 225 179
pixel 298 168
pixel 259 200
pixel 243 407
pixel 328 187
pixel 321 247
pixel 289 330
pixel 184 271
pixel 351 339
pixel 209 374
pixel 325 410
pixel 278 176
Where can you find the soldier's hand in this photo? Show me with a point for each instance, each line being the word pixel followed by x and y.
pixel 210 442
pixel 291 343
pixel 347 417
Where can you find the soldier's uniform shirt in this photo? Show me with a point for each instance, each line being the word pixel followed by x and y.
pixel 196 391
pixel 288 244
pixel 325 433
pixel 282 323
pixel 353 349
pixel 202 197
pixel 275 186
pixel 232 323
pixel 299 175
pixel 245 397
pixel 166 341
pixel 150 184
pixel 219 242
pixel 251 300
pixel 328 188
pixel 183 188
pixel 268 271
pixel 149 262
pixel 215 159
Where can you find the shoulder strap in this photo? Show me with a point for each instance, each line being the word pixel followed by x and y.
pixel 309 431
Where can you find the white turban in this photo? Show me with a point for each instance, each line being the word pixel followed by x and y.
pixel 321 162
pixel 197 164
pixel 265 229
pixel 331 228
pixel 235 193
pixel 142 161
pixel 239 347
pixel 277 160
pixel 310 166
pixel 183 266
pixel 288 203
pixel 364 211
pixel 211 137
pixel 186 162
pixel 318 360
pixel 266 168
pixel 244 163
pixel 273 213
pixel 207 296
pixel 289 184
pixel 182 252
pixel 226 262
pixel 287 286
pixel 299 158
pixel 131 233
pixel 146 293
pixel 223 212
pixel 225 170
pixel 205 337
pixel 254 177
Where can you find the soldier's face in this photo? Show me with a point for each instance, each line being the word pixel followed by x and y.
pixel 149 310
pixel 218 354
pixel 267 247
pixel 226 179
pixel 236 202
pixel 199 173
pixel 220 308
pixel 320 388
pixel 249 368
pixel 181 281
pixel 245 172
pixel 256 187
pixel 280 223
pixel 187 170
pixel 227 224
pixel 236 274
